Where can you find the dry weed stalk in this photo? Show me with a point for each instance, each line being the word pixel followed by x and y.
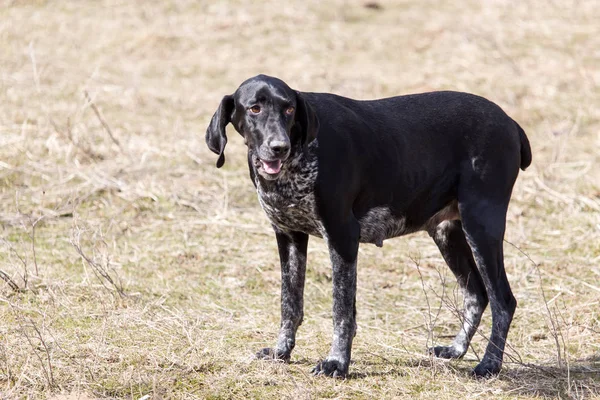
pixel 6 278
pixel 430 322
pixel 102 268
pixel 26 323
pixel 4 362
pixel 32 238
pixel 84 147
pixel 102 120
pixel 555 330
pixel 9 281
pixel 24 275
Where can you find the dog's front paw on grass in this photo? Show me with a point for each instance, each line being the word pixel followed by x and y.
pixel 269 353
pixel 331 367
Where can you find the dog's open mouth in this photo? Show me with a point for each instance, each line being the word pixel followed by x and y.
pixel 271 167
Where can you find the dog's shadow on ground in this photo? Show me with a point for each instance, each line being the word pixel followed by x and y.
pixel 573 380
pixel 519 379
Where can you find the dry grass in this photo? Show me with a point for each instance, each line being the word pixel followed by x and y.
pixel 138 269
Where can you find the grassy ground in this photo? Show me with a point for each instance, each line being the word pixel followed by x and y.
pixel 136 268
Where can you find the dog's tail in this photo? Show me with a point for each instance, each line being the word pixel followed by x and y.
pixel 525 148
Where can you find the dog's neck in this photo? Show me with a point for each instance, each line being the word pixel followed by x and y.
pixel 289 200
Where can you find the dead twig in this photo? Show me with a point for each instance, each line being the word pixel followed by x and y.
pixel 25 276
pixel 431 320
pixel 32 237
pixel 10 282
pixel 47 369
pixel 49 373
pixel 83 147
pixel 102 120
pixel 99 270
pixel 555 330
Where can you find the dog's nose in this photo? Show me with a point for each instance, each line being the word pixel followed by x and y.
pixel 279 147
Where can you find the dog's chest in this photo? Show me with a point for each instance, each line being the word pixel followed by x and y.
pixel 289 202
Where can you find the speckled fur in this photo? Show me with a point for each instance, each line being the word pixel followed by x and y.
pixel 289 201
pixel 379 224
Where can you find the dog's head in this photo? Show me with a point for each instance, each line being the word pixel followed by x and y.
pixel 273 119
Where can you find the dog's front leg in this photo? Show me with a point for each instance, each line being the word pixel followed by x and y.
pixel 292 254
pixel 343 254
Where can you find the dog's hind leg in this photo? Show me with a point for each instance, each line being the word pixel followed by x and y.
pixel 292 254
pixel 450 239
pixel 484 220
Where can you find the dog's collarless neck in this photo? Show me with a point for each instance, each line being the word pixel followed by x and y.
pixel 289 201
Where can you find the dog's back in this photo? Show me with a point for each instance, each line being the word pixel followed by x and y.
pixel 446 119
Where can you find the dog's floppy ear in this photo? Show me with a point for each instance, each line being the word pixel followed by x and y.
pixel 307 118
pixel 215 133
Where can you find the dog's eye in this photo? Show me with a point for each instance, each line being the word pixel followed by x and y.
pixel 289 110
pixel 255 109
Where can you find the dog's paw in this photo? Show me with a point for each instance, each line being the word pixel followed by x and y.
pixel 487 369
pixel 272 354
pixel 331 367
pixel 447 352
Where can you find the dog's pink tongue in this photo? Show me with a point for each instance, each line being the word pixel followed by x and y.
pixel 271 167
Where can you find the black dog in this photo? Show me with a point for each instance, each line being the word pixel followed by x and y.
pixel 365 171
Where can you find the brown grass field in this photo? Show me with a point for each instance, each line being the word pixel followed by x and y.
pixel 132 268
